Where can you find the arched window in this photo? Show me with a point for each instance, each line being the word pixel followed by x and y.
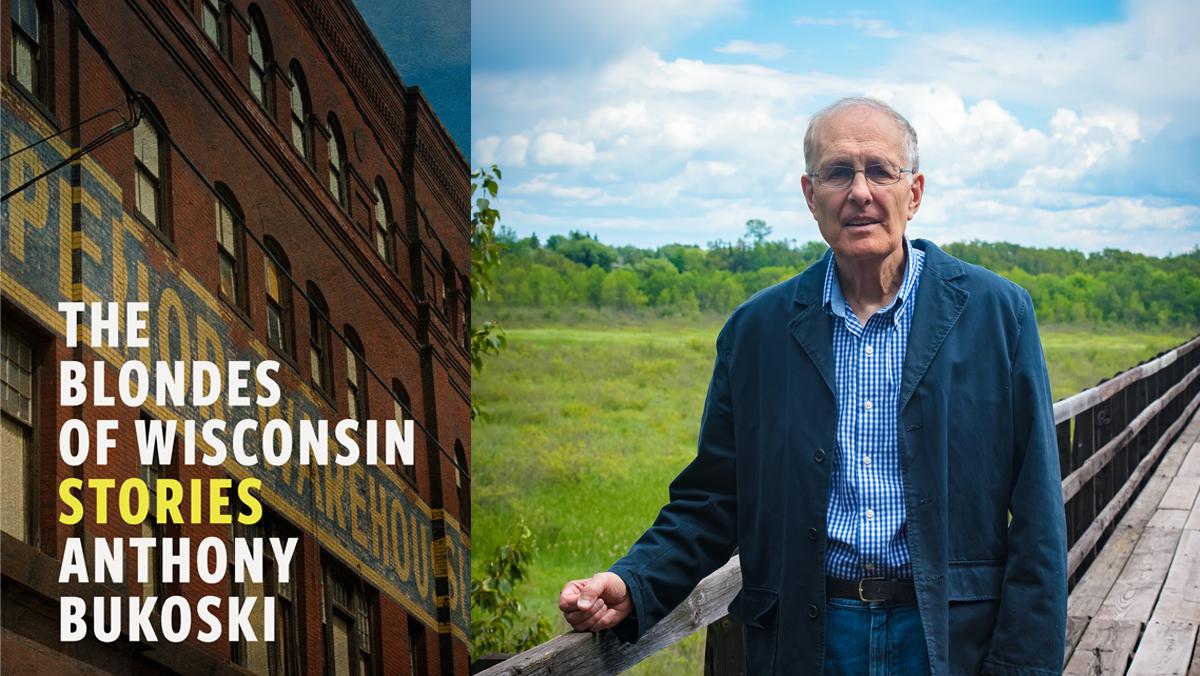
pixel 215 23
pixel 31 47
pixel 401 411
pixel 356 379
pixel 260 58
pixel 318 340
pixel 383 217
pixel 462 484
pixel 299 111
pixel 280 333
pixel 231 249
pixel 150 153
pixel 337 161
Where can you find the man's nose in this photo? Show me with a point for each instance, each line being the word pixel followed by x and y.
pixel 860 189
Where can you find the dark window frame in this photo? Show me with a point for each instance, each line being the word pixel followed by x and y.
pixel 40 47
pixel 276 264
pixel 227 203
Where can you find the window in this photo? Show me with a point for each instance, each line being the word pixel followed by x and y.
pixel 150 151
pixel 232 264
pixel 337 162
pixel 382 219
pixel 318 339
pixel 17 380
pixel 418 662
pixel 280 657
pixel 299 108
pixel 401 411
pixel 462 484
pixel 356 379
pixel 349 623
pixel 30 47
pixel 279 298
pixel 151 528
pixel 213 22
pixel 259 51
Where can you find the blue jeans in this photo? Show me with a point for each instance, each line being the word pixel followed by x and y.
pixel 873 639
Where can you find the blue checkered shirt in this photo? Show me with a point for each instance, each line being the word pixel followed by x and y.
pixel 866 518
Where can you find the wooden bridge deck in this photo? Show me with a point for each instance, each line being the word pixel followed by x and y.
pixel 1137 608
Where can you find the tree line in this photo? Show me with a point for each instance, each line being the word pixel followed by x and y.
pixel 1108 287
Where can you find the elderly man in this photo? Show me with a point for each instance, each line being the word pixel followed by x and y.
pixel 878 444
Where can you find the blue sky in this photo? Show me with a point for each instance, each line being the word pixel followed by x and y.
pixel 1068 124
pixel 428 42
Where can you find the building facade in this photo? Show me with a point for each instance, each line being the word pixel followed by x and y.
pixel 259 175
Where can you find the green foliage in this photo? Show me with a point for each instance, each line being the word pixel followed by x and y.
pixel 499 623
pixel 1110 288
pixel 488 337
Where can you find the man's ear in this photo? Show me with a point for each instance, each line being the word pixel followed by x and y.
pixel 917 190
pixel 807 185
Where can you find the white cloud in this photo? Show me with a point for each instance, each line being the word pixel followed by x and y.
pixel 554 148
pixel 649 149
pixel 767 51
pixel 543 184
pixel 875 28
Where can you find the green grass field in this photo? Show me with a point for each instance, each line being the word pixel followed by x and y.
pixel 591 417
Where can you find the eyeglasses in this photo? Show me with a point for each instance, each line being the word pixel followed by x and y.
pixel 882 174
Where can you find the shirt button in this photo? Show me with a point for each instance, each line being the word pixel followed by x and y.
pixel 819 455
pixel 866 460
pixel 869 350
pixel 867 404
pixel 812 534
pixel 870 513
pixel 813 613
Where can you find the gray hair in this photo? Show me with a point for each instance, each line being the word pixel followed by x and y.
pixel 819 118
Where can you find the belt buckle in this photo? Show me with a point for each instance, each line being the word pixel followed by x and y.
pixel 862 597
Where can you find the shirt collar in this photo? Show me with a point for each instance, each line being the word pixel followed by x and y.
pixel 835 302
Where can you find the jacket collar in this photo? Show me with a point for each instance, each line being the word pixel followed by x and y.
pixel 939 305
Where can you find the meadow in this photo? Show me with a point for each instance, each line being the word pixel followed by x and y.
pixel 591 414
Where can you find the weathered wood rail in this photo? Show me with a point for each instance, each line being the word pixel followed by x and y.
pixel 1110 440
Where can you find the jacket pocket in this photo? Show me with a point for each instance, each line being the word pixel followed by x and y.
pixel 974 580
pixel 757 609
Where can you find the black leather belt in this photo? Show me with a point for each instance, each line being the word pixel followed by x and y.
pixel 872 589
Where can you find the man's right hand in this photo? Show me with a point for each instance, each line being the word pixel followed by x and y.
pixel 595 604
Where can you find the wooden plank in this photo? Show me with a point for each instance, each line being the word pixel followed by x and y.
pixel 1165 649
pixel 1084 544
pixel 1089 593
pixel 590 654
pixel 1105 648
pixel 1180 597
pixel 1076 625
pixel 1078 478
pixel 1193 522
pixel 1171 519
pixel 1135 592
pixel 1181 494
pixel 1191 465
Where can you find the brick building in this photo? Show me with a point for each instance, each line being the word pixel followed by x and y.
pixel 276 193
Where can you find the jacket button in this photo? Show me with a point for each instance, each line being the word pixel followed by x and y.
pixel 819 455
pixel 812 534
pixel 813 612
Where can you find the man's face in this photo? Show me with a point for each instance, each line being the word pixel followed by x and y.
pixel 862 221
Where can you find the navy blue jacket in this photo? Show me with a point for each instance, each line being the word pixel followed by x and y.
pixel 977 441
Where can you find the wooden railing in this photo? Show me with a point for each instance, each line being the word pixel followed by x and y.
pixel 1110 437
